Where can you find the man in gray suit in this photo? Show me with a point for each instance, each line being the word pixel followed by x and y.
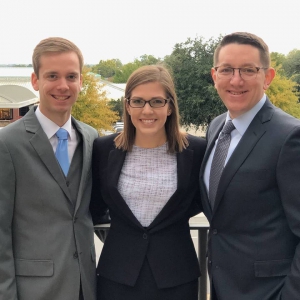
pixel 250 180
pixel 46 232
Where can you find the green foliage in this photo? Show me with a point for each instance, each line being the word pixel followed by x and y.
pixel 117 106
pixel 91 106
pixel 146 60
pixel 277 61
pixel 190 64
pixel 282 93
pixel 291 64
pixel 107 68
pixel 122 75
pixel 291 67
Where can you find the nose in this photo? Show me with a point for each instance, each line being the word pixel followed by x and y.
pixel 63 84
pixel 236 77
pixel 147 108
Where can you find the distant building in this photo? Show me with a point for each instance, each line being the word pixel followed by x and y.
pixel 16 94
pixel 113 90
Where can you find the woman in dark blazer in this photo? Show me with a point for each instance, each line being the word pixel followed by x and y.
pixel 147 176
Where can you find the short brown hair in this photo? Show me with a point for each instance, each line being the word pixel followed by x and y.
pixel 155 73
pixel 245 38
pixel 54 45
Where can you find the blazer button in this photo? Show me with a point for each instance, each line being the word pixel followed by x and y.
pixel 75 255
pixel 215 231
pixel 145 236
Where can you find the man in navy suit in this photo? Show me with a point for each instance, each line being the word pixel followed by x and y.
pixel 254 208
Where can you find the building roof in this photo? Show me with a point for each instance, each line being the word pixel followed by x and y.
pixel 15 96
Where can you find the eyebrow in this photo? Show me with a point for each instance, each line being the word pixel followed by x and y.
pixel 155 97
pixel 242 66
pixel 55 73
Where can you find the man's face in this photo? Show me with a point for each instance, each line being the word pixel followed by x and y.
pixel 59 84
pixel 239 95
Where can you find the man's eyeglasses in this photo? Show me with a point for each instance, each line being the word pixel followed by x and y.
pixel 246 73
pixel 154 103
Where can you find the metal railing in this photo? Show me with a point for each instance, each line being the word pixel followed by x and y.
pixel 202 246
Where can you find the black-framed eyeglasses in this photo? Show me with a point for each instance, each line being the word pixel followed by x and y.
pixel 246 73
pixel 154 103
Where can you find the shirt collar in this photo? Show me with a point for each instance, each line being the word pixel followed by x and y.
pixel 50 128
pixel 243 121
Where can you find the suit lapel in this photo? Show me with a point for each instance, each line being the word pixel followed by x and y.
pixel 86 160
pixel 41 145
pixel 184 169
pixel 211 142
pixel 250 138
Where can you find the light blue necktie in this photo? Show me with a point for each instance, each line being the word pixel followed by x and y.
pixel 62 150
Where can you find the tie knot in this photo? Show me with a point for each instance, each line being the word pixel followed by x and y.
pixel 62 134
pixel 228 127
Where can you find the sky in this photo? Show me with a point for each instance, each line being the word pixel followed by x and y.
pixel 127 29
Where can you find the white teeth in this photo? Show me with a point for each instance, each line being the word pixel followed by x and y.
pixel 236 93
pixel 61 97
pixel 147 121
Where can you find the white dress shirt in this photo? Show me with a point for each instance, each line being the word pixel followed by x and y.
pixel 241 124
pixel 50 128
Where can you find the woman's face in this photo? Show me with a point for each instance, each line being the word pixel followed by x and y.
pixel 149 121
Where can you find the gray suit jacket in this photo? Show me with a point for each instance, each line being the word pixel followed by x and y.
pixel 47 246
pixel 254 237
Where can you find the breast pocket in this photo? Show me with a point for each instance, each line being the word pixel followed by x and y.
pixel 28 267
pixel 272 268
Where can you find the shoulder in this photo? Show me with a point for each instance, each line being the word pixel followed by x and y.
pixel 105 141
pixel 13 130
pixel 196 143
pixel 217 120
pixel 279 121
pixel 86 129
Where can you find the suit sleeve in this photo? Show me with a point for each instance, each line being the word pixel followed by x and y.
pixel 288 176
pixel 8 290
pixel 199 147
pixel 98 208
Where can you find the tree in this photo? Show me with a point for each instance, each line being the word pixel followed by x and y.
pixel 190 64
pixel 277 61
pixel 291 67
pixel 146 60
pixel 107 68
pixel 281 93
pixel 123 73
pixel 91 106
pixel 117 106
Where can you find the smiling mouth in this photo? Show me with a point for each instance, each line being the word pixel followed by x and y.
pixel 61 98
pixel 148 121
pixel 237 93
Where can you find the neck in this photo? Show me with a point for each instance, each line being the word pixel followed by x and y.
pixel 58 119
pixel 150 141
